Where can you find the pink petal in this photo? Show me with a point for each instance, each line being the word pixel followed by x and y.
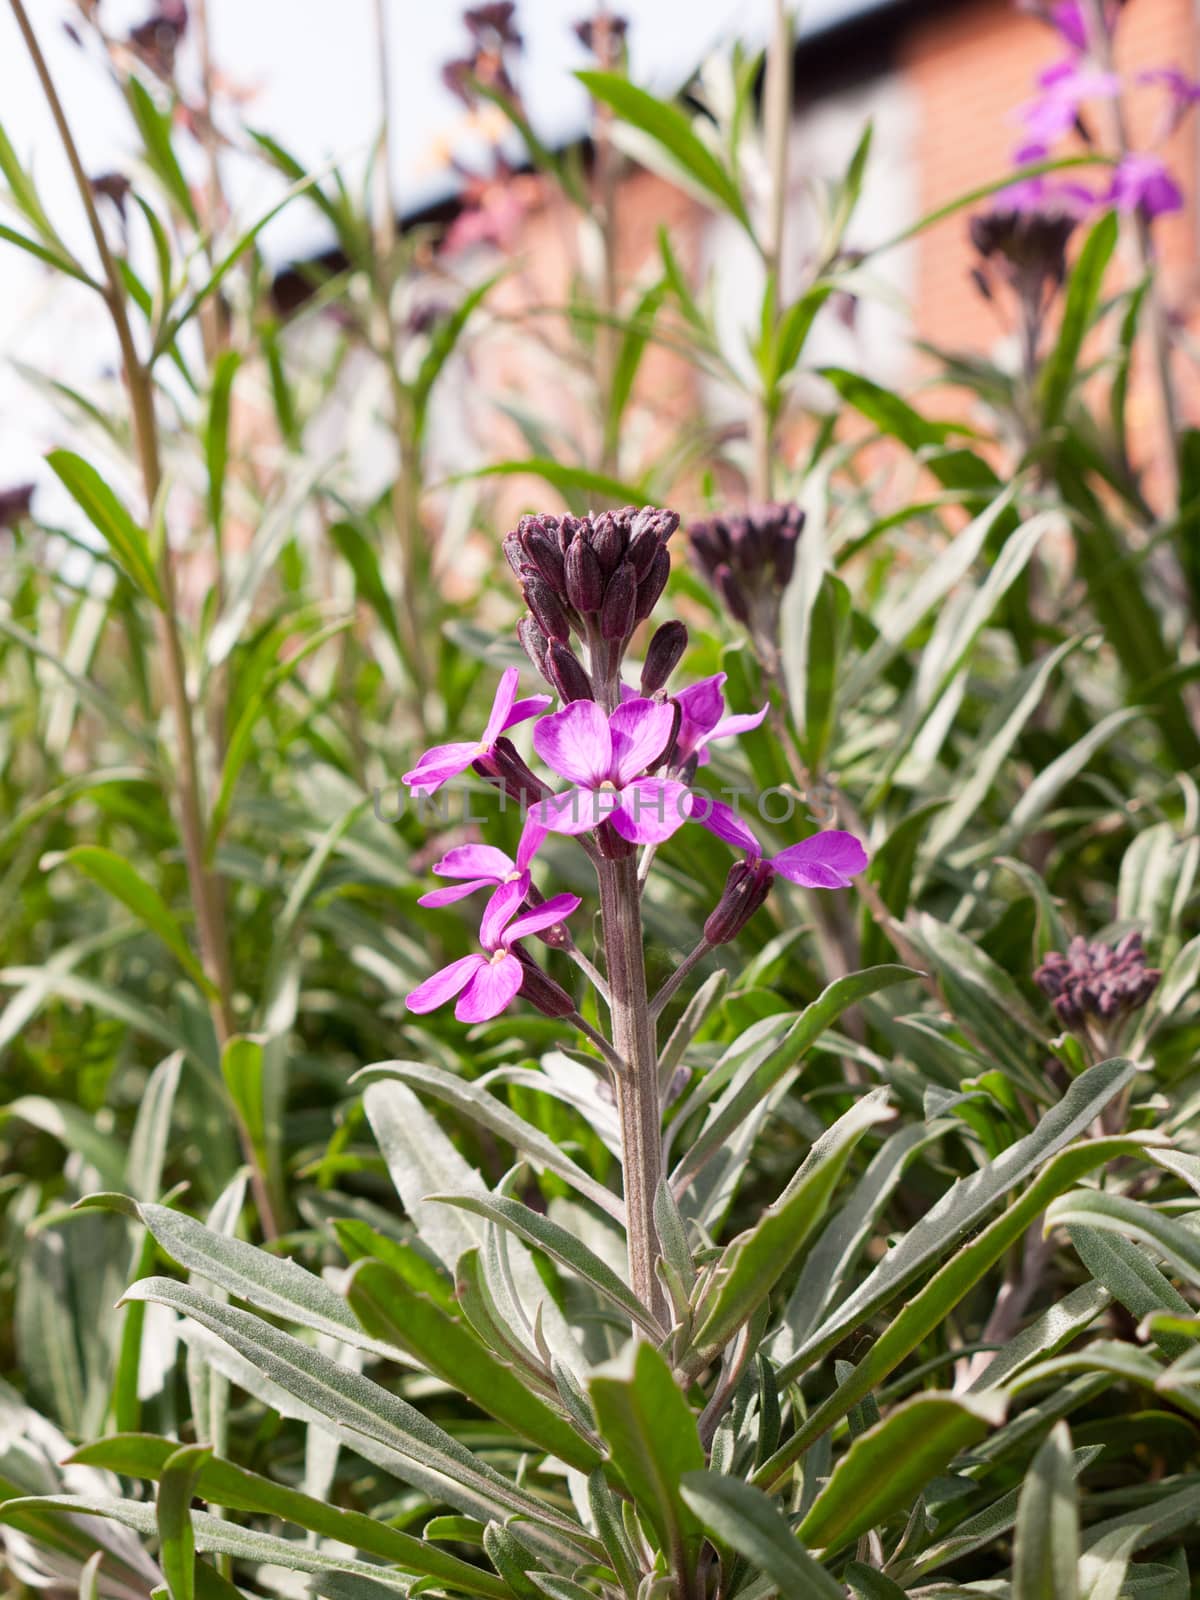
pixel 700 705
pixel 529 707
pixel 444 985
pixel 436 765
pixel 724 821
pixel 502 704
pixel 454 891
pixel 576 743
pixel 554 910
pixel 500 910
pixel 530 843
pixel 639 730
pixel 575 810
pixel 742 722
pixel 652 809
pixel 474 861
pixel 490 990
pixel 825 861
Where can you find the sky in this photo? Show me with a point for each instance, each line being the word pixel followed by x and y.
pixel 307 68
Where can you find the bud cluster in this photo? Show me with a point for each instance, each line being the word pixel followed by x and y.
pixel 1026 249
pixel 749 559
pixel 1097 980
pixel 598 577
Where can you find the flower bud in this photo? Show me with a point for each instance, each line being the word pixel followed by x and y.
pixel 535 644
pixel 654 519
pixel 569 528
pixel 546 607
pixel 732 594
pixel 609 538
pixel 663 655
pixel 513 553
pixel 504 768
pixel 1097 979
pixel 540 989
pixel 650 589
pixel 618 613
pixel 746 887
pixel 542 550
pixel 584 578
pixel 566 674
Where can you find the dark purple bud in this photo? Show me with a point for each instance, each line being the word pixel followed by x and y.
pixel 731 592
pixel 547 608
pixel 540 989
pixel 643 548
pixel 569 528
pixel 618 613
pixel 566 674
pixel 505 769
pixel 535 644
pixel 542 549
pixel 650 589
pixel 663 655
pixel 609 538
pixel 1097 979
pixel 785 556
pixel 656 520
pixel 584 579
pixel 746 887
pixel 15 504
pixel 513 552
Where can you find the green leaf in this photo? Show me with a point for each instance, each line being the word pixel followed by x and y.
pixel 557 1242
pixel 125 539
pixel 222 1483
pixel 74 1129
pixel 744 1519
pixel 155 129
pixel 115 875
pixel 753 1264
pixel 216 434
pixel 152 1130
pixel 887 1467
pixel 1046 1554
pixel 173 1506
pixel 368 580
pixel 391 1310
pixel 372 1420
pixel 671 131
pixel 575 484
pixel 1132 1219
pixel 1083 292
pixel 650 1431
pixel 445 336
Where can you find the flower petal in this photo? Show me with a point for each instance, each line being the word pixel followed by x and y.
pixel 530 843
pixel 444 985
pixel 474 861
pixel 575 810
pixel 639 731
pixel 529 707
pixel 436 765
pixel 700 706
pixel 502 704
pixel 454 891
pixel 724 821
pixel 576 743
pixel 740 722
pixel 825 861
pixel 500 910
pixel 652 809
pixel 490 990
pixel 554 910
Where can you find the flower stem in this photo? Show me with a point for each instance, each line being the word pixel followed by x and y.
pixel 637 1084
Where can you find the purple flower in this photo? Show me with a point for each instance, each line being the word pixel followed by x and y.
pixel 448 760
pixel 605 758
pixel 1142 182
pixel 484 867
pixel 825 860
pixel 703 719
pixel 1064 88
pixel 1182 94
pixel 485 984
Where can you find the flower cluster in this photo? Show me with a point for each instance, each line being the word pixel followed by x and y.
pixel 1140 182
pixel 1097 980
pixel 749 558
pixel 627 756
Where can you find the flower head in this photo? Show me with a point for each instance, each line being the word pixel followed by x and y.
pixel 1143 183
pixel 486 984
pixel 1063 90
pixel 482 866
pixel 826 860
pixel 448 760
pixel 605 759
pixel 1097 980
pixel 749 560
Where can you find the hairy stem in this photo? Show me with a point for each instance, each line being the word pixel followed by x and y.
pixel 205 888
pixel 637 1083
